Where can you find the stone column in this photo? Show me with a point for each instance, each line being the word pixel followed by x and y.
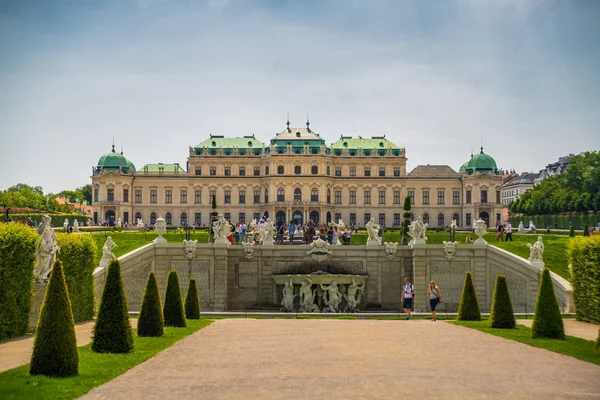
pixel 220 277
pixel 421 276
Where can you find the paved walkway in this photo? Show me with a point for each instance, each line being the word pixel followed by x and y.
pixel 337 359
pixel 579 329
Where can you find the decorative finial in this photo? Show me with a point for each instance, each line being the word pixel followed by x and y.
pixel 113 146
pixel 481 149
pixel 288 121
pixel 471 152
pixel 121 149
pixel 307 122
pixel 481 145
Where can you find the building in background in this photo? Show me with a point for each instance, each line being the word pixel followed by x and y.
pixel 555 168
pixel 515 185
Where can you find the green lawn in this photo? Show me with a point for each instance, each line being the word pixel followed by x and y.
pixel 572 346
pixel 94 369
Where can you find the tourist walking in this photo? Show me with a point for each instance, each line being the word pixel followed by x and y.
pixel 500 234
pixel 508 231
pixel 407 297
pixel 292 230
pixel 435 298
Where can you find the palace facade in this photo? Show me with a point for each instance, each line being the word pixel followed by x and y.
pixel 295 176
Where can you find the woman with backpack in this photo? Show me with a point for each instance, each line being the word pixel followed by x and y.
pixel 435 298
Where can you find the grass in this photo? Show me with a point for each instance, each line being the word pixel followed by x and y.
pixel 94 368
pixel 572 346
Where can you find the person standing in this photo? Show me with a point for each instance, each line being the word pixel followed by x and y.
pixel 508 231
pixel 407 297
pixel 435 298
pixel 292 230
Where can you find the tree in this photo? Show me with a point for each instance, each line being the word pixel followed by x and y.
pixel 151 321
pixel 55 347
pixel 406 222
pixel 173 308
pixel 112 332
pixel 547 321
pixel 501 315
pixel 192 303
pixel 86 193
pixel 469 306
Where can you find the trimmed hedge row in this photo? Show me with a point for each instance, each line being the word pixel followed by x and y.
pixel 57 219
pixel 17 261
pixel 584 257
pixel 562 221
pixel 77 253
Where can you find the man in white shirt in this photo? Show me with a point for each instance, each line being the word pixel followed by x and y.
pixel 408 292
pixel 508 231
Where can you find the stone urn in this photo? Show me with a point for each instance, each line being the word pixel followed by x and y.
pixel 160 227
pixel 480 230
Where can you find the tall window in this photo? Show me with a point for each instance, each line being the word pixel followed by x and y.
pixel 425 197
pixel 425 218
pixel 137 216
pixel 95 195
pixel 352 171
pixel 382 197
pixel 338 171
pixel 242 197
pixel 280 195
pixel 110 195
pixel 212 195
pixel 367 171
pixel 328 196
pixel 456 197
pixel 396 171
pixel 381 171
pixel 227 196
pixel 280 170
pixel 441 220
pixel 468 199
pixel 256 196
pixel 227 171
pixel 411 194
pixel 367 197
pixel 197 218
pixel 242 217
pixel 497 197
pixel 126 195
pixel 266 196
pixel 213 171
pixel 168 218
pixel 314 195
pixel 457 218
pixel 242 171
pixel 367 218
pixel 138 196
pixel 468 219
pixel 297 170
pixel 396 197
pixel 198 171
pixel 396 219
pixel 484 198
pixel 314 170
pixel 183 196
pixel 338 197
pixel 227 216
pixel 256 216
pixel 168 196
pixel 297 194
pixel 153 196
pixel 440 197
pixel 352 218
pixel 382 219
pixel 256 171
pixel 352 197
pixel 337 217
pixel 152 218
pixel 328 171
pixel 183 219
pixel 198 196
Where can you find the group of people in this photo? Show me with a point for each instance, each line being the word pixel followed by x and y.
pixel 504 229
pixel 408 292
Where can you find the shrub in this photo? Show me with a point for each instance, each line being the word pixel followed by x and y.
pixel 173 309
pixel 17 261
pixel 501 315
pixel 547 321
pixel 151 321
pixel 572 231
pixel 469 306
pixel 584 258
pixel 78 254
pixel 192 303
pixel 586 230
pixel 597 345
pixel 55 346
pixel 112 332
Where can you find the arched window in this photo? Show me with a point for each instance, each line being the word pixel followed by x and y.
pixel 137 216
pixel 441 220
pixel 297 170
pixel 457 218
pixel 183 219
pixel 280 170
pixel 280 195
pixel 152 218
pixel 314 195
pixel 328 197
pixel 298 194
pixel 314 170
pixel 168 218
pixel 425 218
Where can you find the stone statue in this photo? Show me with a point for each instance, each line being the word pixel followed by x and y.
pixel 288 296
pixel 521 228
pixel 536 251
pixel 453 227
pixel 531 227
pixel 333 296
pixel 119 223
pixel 221 229
pixel 390 249
pixel 267 231
pixel 354 295
pixel 319 250
pixel 46 250
pixel 189 247
pixel 373 232
pixel 341 225
pixel 107 253
pixel 66 224
pixel 75 226
pixel 450 249
pixel 307 297
pixel 140 223
pixel 417 231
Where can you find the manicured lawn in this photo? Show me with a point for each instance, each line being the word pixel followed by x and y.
pixel 94 369
pixel 572 346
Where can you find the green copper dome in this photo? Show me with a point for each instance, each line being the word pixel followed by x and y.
pixel 479 163
pixel 112 161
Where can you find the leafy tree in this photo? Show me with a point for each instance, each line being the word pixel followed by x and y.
pixel 501 315
pixel 547 321
pixel 151 321
pixel 173 308
pixel 469 306
pixel 192 303
pixel 55 347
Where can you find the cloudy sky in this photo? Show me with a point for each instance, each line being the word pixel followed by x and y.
pixel 437 77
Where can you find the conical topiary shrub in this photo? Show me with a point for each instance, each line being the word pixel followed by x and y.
pixel 547 321
pixel 150 321
pixel 572 231
pixel 586 231
pixel 469 306
pixel 597 345
pixel 173 309
pixel 192 303
pixel 501 315
pixel 112 332
pixel 55 347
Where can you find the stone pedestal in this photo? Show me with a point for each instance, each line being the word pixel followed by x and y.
pixel 222 242
pixel 537 263
pixel 39 291
pixel 220 275
pixel 268 241
pixel 372 242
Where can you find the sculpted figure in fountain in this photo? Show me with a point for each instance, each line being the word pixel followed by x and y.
pixel 307 297
pixel 417 230
pixel 46 250
pixel 354 295
pixel 267 231
pixel 221 229
pixel 373 232
pixel 333 296
pixel 536 251
pixel 288 296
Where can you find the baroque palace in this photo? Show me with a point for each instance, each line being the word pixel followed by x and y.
pixel 296 176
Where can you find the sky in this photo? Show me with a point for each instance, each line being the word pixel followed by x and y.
pixel 440 78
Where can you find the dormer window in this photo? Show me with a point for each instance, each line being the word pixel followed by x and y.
pixel 297 134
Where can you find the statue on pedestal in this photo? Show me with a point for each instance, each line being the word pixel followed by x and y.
pixel 417 230
pixel 66 224
pixel 333 296
pixel 160 227
pixel 288 296
pixel 354 295
pixel 536 251
pixel 373 232
pixel 46 250
pixel 267 231
pixel 107 253
pixel 75 226
pixel 221 229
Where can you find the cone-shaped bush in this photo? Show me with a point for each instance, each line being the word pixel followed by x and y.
pixel 586 231
pixel 150 321
pixel 597 345
pixel 192 303
pixel 501 315
pixel 572 231
pixel 173 309
pixel 547 322
pixel 112 332
pixel 55 347
pixel 469 306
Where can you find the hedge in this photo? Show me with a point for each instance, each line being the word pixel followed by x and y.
pixel 469 306
pixel 55 346
pixel 112 332
pixel 77 253
pixel 173 308
pixel 151 321
pixel 57 219
pixel 17 262
pixel 561 221
pixel 501 315
pixel 547 321
pixel 192 303
pixel 584 258
pixel 597 345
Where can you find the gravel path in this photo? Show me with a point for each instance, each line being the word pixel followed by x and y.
pixel 337 359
